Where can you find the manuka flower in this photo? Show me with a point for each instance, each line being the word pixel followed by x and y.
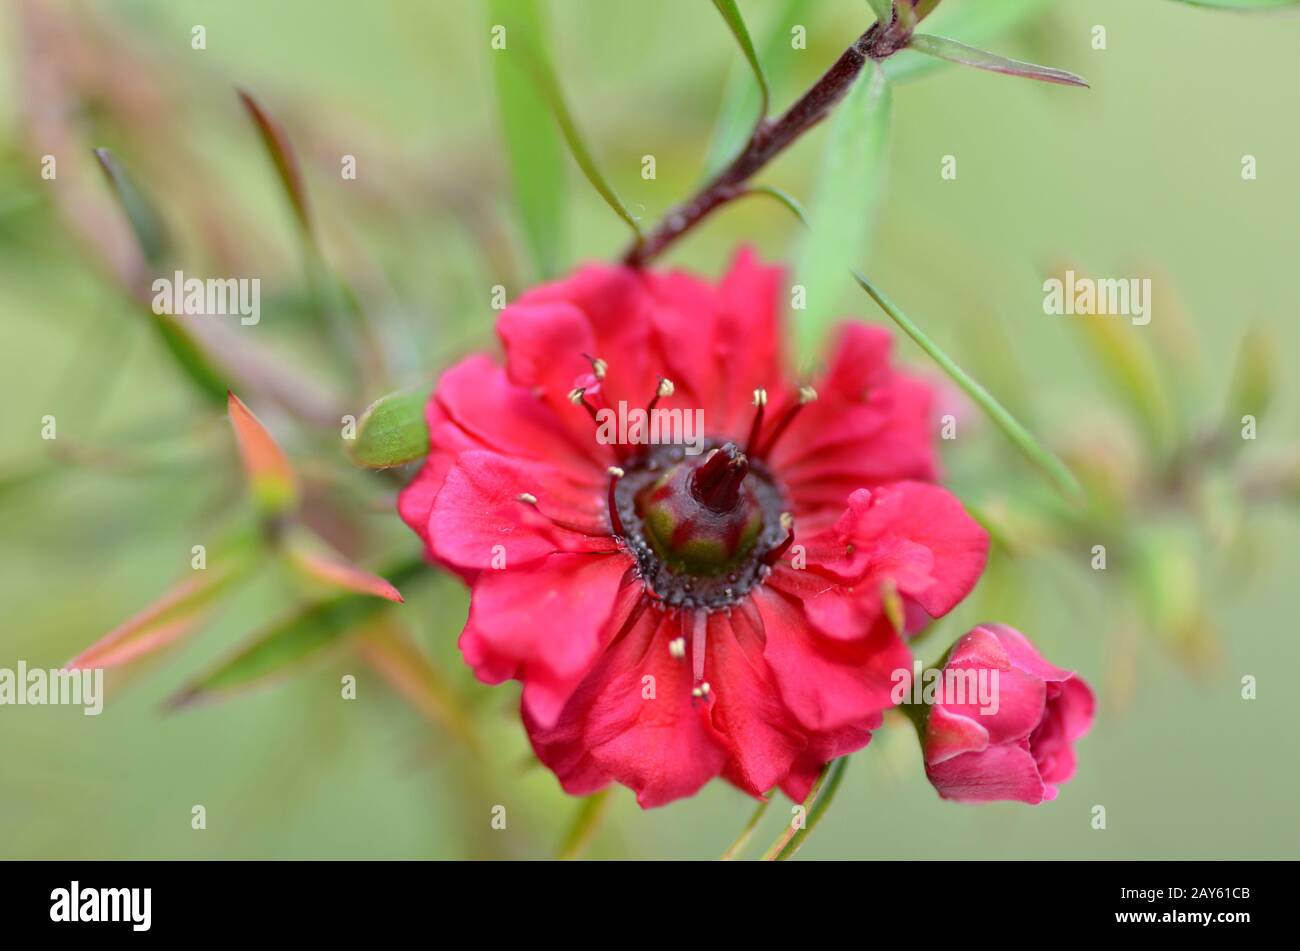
pixel 675 616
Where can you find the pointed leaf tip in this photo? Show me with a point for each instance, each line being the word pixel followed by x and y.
pixel 310 557
pixel 736 23
pixel 956 52
pixel 283 158
pixel 270 475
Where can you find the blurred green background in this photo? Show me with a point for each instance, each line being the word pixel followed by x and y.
pixel 1140 175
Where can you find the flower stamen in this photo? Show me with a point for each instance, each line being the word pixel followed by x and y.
pixel 806 395
pixel 615 522
pixel 578 397
pixel 664 389
pixel 701 619
pixel 760 401
pixel 773 556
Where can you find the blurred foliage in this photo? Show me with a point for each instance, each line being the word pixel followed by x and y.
pixel 371 285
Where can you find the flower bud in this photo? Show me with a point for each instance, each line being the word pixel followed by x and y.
pixel 1017 744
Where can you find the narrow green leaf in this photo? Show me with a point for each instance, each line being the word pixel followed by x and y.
pixel 974 23
pixel 270 475
pixel 1124 354
pixel 189 356
pixel 1253 384
pixel 842 210
pixel 956 52
pixel 316 560
pixel 283 158
pixel 741 101
pixel 176 614
pixel 549 86
pixel 819 799
pixel 391 431
pixel 1035 451
pixel 533 144
pixel 923 8
pixel 146 223
pixel 783 197
pixel 883 9
pixel 151 238
pixel 283 646
pixel 737 25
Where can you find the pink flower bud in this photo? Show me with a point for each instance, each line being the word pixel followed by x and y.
pixel 1018 747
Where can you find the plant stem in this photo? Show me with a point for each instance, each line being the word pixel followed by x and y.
pixel 770 138
pixel 819 798
pixel 584 826
pixel 746 833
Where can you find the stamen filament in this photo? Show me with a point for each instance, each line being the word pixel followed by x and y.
pixel 806 395
pixel 760 401
pixel 698 645
pixel 773 556
pixel 615 522
pixel 665 388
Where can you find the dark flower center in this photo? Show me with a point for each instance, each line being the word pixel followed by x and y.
pixel 702 528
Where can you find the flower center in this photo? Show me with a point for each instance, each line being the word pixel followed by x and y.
pixel 700 527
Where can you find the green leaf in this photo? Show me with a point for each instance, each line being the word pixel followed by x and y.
pixel 270 475
pixel 815 806
pixel 1255 374
pixel 392 431
pixel 1124 355
pixel 842 210
pixel 189 356
pixel 150 236
pixel 532 140
pixel 956 52
pixel 283 646
pixel 146 223
pixel 783 197
pixel 883 9
pixel 1035 451
pixel 283 158
pixel 176 614
pixel 317 560
pixel 741 101
pixel 549 86
pixel 737 25
pixel 977 23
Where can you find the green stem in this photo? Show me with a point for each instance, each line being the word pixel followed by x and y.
pixel 819 799
pixel 746 833
pixel 584 826
pixel 1014 430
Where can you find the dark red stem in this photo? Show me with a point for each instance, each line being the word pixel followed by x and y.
pixel 769 139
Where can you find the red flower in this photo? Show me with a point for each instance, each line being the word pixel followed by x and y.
pixel 675 617
pixel 1020 748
